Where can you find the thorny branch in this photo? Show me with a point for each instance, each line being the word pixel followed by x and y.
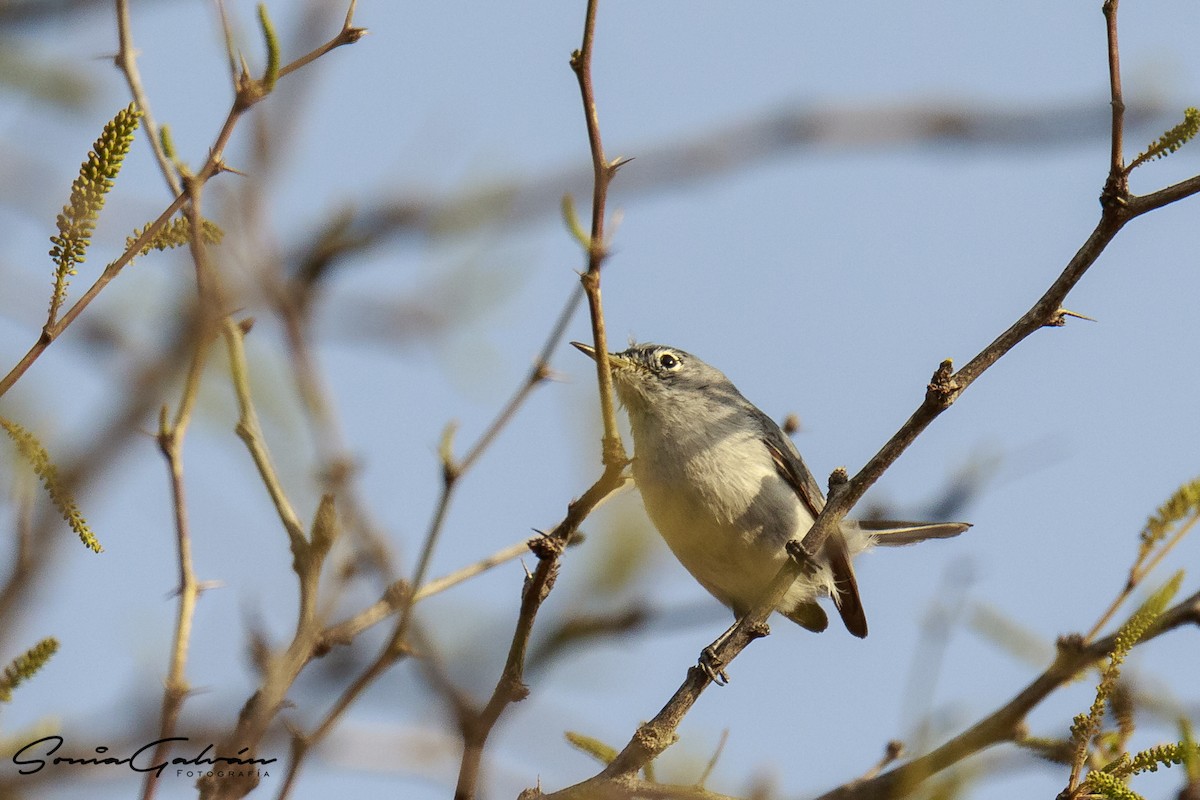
pixel 510 688
pixel 1118 207
pixel 171 435
pixel 249 92
pixel 603 171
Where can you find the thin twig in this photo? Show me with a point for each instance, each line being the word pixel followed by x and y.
pixel 126 61
pixel 1116 95
pixel 25 561
pixel 613 450
pixel 347 35
pixel 510 687
pixel 170 441
pixel 345 632
pixel 929 658
pixel 281 669
pixel 891 754
pixel 1142 567
pixel 227 37
pixel 712 762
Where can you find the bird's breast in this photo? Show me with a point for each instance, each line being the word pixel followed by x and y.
pixel 723 510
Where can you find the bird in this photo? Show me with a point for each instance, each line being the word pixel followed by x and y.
pixel 727 489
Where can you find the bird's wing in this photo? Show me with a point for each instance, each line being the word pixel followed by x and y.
pixel 791 468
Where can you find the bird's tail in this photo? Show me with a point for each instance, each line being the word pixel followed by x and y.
pixel 890 533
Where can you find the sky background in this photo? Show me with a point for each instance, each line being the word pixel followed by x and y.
pixel 826 280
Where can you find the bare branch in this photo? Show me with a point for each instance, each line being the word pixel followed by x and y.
pixel 602 174
pixel 944 388
pixel 171 436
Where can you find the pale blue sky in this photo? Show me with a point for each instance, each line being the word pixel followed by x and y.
pixel 827 281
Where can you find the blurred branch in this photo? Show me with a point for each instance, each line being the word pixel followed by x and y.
pixel 250 432
pixel 23 561
pixel 337 464
pixel 938 622
pixel 1007 722
pixel 105 447
pixel 683 162
pixel 1181 513
pixel 308 554
pixel 15 13
pixel 402 597
pixel 47 82
pixel 578 629
pixel 365 548
pixel 394 597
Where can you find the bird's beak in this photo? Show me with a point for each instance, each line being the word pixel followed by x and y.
pixel 586 349
pixel 616 361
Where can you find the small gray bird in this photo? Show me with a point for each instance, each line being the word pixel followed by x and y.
pixel 727 489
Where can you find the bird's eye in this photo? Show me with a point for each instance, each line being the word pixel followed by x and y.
pixel 668 361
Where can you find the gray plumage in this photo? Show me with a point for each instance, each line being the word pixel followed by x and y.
pixel 726 488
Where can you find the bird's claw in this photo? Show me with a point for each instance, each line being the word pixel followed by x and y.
pixel 712 666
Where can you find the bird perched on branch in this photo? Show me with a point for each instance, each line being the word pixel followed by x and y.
pixel 727 489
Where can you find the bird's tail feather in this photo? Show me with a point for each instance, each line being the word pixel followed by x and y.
pixel 891 533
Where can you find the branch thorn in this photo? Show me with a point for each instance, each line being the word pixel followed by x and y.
pixel 1059 318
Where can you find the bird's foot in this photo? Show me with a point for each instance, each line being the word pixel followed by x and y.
pixel 712 666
